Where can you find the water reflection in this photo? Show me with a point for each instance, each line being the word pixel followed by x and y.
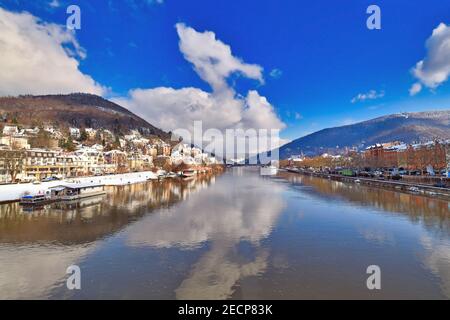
pixel 90 219
pixel 36 247
pixel 237 235
pixel 226 216
pixel 241 212
pixel 433 213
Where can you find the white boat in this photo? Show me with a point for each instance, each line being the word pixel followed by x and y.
pixel 74 191
pixel 35 200
pixel 161 173
pixel 268 170
pixel 414 189
pixel 172 175
pixel 188 173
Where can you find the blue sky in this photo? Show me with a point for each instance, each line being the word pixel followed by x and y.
pixel 322 52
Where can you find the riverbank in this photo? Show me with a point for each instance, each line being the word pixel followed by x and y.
pixel 426 190
pixel 13 192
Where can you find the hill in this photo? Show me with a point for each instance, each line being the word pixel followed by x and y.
pixel 405 127
pixel 75 110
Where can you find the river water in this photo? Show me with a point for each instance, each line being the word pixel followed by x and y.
pixel 234 236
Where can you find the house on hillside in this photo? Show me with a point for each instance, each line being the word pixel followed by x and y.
pixel 15 142
pixel 91 133
pixel 75 133
pixel 10 130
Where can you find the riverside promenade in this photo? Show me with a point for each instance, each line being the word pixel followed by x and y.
pixel 13 192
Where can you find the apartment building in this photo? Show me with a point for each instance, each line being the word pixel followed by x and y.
pixel 410 157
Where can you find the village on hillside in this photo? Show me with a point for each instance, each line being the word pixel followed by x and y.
pixel 46 153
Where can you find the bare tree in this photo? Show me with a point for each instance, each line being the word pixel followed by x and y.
pixel 13 162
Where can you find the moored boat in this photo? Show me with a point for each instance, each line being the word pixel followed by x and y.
pixel 35 200
pixel 268 170
pixel 172 175
pixel 188 173
pixel 68 192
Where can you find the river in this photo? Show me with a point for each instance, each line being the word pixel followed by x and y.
pixel 234 236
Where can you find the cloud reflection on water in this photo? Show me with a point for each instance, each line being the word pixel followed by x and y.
pixel 217 217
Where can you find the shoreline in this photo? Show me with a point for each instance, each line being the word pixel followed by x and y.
pixel 13 192
pixel 409 188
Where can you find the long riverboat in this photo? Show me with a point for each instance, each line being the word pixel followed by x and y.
pixel 75 191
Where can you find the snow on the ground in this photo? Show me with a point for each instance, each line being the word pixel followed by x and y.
pixel 13 192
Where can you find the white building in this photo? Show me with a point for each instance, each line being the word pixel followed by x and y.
pixel 49 129
pixel 30 131
pixel 15 142
pixel 91 133
pixel 75 133
pixel 10 130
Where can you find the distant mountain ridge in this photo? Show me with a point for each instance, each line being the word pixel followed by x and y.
pixel 405 127
pixel 76 110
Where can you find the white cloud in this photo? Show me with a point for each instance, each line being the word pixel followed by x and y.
pixel 415 89
pixel 371 95
pixel 434 69
pixel 220 109
pixel 30 48
pixel 54 4
pixel 40 58
pixel 212 59
pixel 276 73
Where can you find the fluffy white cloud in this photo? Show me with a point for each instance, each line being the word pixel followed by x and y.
pixel 415 89
pixel 434 69
pixel 371 95
pixel 174 109
pixel 212 59
pixel 40 58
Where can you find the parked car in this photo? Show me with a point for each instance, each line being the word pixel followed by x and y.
pixel 365 174
pixel 48 179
